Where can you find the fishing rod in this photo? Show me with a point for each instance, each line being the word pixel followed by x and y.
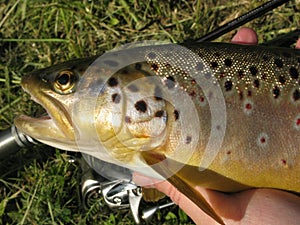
pixel 241 20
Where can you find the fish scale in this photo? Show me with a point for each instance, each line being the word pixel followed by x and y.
pixel 156 116
pixel 258 131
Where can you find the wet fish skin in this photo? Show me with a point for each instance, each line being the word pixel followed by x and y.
pixel 261 90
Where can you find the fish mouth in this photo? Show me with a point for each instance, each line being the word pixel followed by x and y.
pixel 53 128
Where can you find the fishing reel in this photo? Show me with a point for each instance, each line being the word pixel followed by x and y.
pixel 118 192
pixel 119 195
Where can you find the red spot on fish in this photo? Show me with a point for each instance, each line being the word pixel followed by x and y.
pixel 201 99
pixel 248 106
pixel 262 140
pixel 283 161
pixel 228 152
pixel 298 122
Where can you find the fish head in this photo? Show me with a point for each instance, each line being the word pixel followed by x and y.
pixel 110 114
pixel 117 105
pixel 54 89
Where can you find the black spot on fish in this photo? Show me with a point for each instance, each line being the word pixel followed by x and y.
pixel 112 82
pixel 228 85
pixel 176 114
pixel 201 99
pixel 265 58
pixel 217 54
pixel 170 82
pixel 294 73
pixel 278 62
pixel 111 63
pixel 249 93
pixel 116 98
pixel 133 88
pixel 214 65
pixel 296 95
pixel 276 92
pixel 240 74
pixel 199 66
pixel 256 83
pixel 141 106
pixel 222 75
pixel 168 66
pixel 281 79
pixel 138 66
pixel 154 67
pixel 192 94
pixel 127 119
pixel 253 70
pixel 158 93
pixel 159 113
pixel 228 62
pixel 188 140
pixel 151 55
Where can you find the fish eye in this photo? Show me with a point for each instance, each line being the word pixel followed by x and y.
pixel 65 82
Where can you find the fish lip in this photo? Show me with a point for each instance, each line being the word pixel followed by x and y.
pixel 56 125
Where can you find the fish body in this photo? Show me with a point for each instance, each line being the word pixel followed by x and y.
pixel 222 116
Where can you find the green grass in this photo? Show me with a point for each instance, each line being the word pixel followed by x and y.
pixel 39 185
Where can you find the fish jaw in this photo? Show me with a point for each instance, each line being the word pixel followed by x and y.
pixel 55 128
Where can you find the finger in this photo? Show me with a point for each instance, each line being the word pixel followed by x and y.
pixel 256 206
pixel 144 181
pixel 298 44
pixel 245 36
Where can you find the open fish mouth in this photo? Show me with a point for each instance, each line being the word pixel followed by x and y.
pixel 51 125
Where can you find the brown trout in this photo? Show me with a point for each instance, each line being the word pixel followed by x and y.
pixel 221 116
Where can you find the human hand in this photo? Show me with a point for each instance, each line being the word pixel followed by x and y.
pixel 255 206
pixel 249 37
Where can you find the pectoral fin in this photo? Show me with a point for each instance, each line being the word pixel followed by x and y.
pixel 152 195
pixel 159 163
